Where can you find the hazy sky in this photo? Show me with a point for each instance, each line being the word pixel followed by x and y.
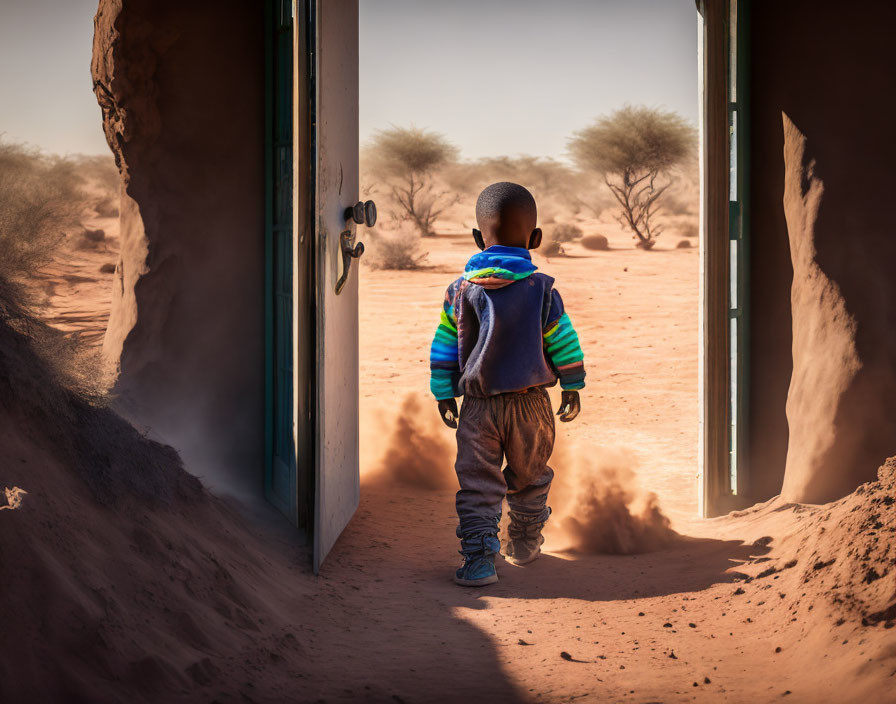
pixel 46 93
pixel 518 76
pixel 495 76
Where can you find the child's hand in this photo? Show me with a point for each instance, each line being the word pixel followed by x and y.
pixel 448 411
pixel 569 406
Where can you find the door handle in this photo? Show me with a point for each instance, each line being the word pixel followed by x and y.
pixel 361 214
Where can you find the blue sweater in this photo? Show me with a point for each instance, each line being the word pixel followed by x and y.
pixel 503 328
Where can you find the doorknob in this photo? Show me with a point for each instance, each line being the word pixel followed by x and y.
pixel 361 214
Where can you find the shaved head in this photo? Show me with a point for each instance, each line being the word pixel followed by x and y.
pixel 506 214
pixel 504 199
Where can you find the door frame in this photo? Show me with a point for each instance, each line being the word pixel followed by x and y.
pixel 723 64
pixel 722 219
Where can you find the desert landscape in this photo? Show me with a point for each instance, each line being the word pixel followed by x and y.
pixel 132 582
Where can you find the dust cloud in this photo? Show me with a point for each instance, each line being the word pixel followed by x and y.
pixel 414 450
pixel 597 504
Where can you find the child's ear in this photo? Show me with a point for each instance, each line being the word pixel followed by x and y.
pixel 477 238
pixel 535 238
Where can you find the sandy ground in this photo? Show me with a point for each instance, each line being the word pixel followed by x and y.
pixel 77 295
pixel 636 315
pixel 702 619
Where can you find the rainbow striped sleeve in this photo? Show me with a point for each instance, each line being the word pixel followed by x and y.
pixel 444 358
pixel 561 345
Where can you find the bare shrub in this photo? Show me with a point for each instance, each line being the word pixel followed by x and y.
pixel 41 198
pixel 631 149
pixel 566 232
pixel 404 160
pixel 396 252
pixel 596 242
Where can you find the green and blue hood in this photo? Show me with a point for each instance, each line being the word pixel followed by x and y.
pixel 499 266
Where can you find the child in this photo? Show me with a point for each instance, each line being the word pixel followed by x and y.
pixel 502 339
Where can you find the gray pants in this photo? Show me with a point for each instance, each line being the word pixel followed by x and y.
pixel 519 426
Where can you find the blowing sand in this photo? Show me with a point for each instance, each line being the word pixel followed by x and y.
pixel 113 595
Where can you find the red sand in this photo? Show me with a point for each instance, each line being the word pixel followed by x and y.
pixel 132 601
pixel 112 595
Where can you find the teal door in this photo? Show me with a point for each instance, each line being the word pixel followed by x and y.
pixel 280 459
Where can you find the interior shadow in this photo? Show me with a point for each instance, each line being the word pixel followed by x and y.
pixel 690 566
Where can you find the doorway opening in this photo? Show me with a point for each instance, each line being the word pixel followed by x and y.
pixel 636 311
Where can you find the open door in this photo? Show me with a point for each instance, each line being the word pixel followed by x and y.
pixel 335 154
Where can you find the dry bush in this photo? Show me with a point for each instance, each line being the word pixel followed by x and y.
pixel 596 242
pixel 41 198
pixel 683 244
pixel 396 252
pixel 565 232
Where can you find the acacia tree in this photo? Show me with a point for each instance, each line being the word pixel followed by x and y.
pixel 631 149
pixel 405 159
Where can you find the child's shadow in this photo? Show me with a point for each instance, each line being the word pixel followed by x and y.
pixel 690 565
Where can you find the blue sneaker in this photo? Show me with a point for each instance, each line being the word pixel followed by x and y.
pixel 479 561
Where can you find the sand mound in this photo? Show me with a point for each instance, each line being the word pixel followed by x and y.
pixel 123 580
pixel 840 556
